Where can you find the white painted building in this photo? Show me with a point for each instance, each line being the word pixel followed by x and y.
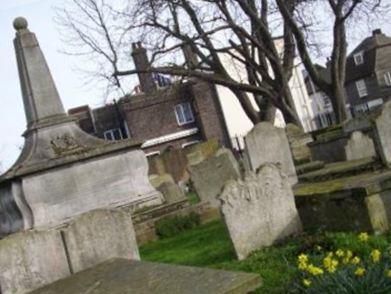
pixel 238 123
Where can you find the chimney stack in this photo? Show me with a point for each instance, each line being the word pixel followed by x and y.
pixel 377 32
pixel 141 62
pixel 190 57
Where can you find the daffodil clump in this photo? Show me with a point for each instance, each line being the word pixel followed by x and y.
pixel 346 270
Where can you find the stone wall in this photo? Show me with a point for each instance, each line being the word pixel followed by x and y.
pixel 259 210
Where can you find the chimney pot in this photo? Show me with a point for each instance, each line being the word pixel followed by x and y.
pixel 377 32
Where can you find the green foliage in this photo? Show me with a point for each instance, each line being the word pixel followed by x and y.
pixel 193 197
pixel 172 226
pixel 346 263
pixel 209 246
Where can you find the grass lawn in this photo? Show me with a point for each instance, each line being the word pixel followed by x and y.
pixel 209 246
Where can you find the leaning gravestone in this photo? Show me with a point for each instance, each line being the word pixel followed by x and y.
pixel 98 236
pixel 30 260
pixel 359 146
pixel 259 210
pixel 266 143
pixel 383 133
pixel 209 176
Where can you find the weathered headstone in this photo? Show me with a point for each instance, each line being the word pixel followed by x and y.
pixel 298 141
pixel 98 236
pixel 268 144
pixel 171 192
pixel 30 260
pixel 383 132
pixel 359 146
pixel 259 210
pixel 209 176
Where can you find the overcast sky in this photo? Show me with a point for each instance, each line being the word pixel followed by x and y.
pixel 40 14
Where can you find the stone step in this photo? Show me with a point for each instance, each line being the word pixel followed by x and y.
pixel 340 169
pixel 119 276
pixel 309 167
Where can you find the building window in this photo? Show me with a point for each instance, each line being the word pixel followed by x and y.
pixel 184 114
pixel 387 78
pixel 359 58
pixel 112 135
pixel 361 88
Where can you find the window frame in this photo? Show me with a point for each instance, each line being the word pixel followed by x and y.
pixel 186 120
pixel 111 132
pixel 362 88
pixel 358 58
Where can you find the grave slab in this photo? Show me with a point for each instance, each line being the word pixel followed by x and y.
pixel 119 276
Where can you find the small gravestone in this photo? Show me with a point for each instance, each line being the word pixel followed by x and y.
pixel 383 132
pixel 259 210
pixel 30 260
pixel 359 146
pixel 298 141
pixel 266 143
pixel 209 176
pixel 171 192
pixel 98 236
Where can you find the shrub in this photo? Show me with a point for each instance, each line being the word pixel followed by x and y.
pixel 172 226
pixel 360 264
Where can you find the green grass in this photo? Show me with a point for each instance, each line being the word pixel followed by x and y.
pixel 193 198
pixel 209 246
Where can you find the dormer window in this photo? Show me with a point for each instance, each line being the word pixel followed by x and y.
pixel 359 58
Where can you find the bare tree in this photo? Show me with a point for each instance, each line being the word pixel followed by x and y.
pixel 207 31
pixel 343 13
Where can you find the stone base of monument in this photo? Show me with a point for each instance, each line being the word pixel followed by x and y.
pixel 125 276
pixel 351 203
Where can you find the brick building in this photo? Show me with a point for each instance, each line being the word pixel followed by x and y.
pixel 162 115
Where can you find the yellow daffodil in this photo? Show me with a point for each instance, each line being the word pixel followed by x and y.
pixel 314 270
pixel 303 258
pixel 375 255
pixel 363 237
pixel 348 256
pixel 360 272
pixel 340 253
pixel 356 260
pixel 302 261
pixel 330 264
pixel 306 282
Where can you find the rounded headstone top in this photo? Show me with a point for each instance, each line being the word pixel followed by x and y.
pixel 20 23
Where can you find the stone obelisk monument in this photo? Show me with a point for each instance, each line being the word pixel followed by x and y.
pixel 63 172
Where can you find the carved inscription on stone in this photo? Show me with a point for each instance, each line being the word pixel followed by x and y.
pixel 259 210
